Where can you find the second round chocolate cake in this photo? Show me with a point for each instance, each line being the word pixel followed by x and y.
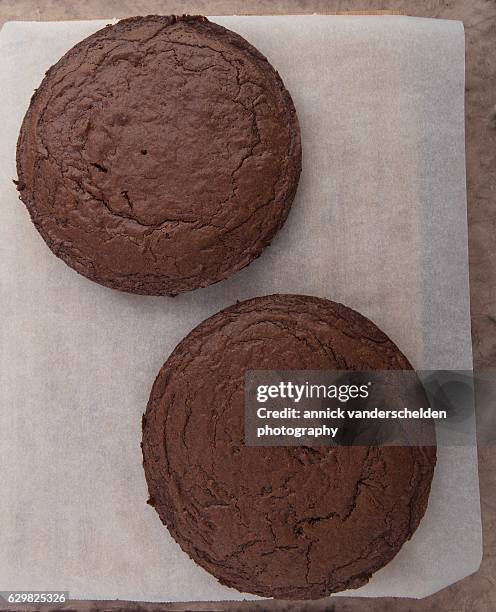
pixel 286 522
pixel 159 155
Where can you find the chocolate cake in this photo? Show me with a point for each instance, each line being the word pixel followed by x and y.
pixel 286 522
pixel 159 155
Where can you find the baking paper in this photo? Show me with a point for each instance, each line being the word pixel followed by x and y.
pixel 379 223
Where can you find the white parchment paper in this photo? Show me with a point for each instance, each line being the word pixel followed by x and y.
pixel 379 223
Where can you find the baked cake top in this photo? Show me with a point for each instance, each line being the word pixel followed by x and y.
pixel 286 522
pixel 159 155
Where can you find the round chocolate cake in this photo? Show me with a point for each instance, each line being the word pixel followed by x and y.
pixel 159 155
pixel 286 522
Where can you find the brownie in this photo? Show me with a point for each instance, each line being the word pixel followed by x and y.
pixel 159 155
pixel 285 522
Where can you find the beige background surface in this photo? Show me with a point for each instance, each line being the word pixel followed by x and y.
pixel 476 593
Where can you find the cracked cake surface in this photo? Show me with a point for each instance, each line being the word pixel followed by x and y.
pixel 286 522
pixel 159 155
